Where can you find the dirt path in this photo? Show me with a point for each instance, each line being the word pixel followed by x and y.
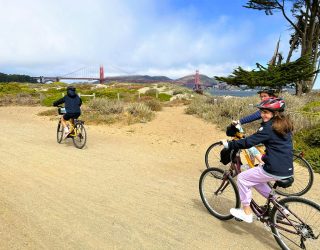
pixel 131 187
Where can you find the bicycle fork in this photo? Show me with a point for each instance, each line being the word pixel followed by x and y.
pixel 222 187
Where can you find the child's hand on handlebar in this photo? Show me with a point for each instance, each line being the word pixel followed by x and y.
pixel 225 143
pixel 235 122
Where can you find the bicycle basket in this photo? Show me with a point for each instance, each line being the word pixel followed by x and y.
pixel 231 130
pixel 225 156
pixel 62 111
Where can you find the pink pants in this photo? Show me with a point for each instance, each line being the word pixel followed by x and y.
pixel 253 177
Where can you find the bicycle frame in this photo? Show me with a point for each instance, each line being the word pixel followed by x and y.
pixel 262 213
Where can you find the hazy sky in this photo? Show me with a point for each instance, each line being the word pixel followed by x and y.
pixel 166 37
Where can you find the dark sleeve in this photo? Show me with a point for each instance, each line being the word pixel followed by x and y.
pixel 250 118
pixel 58 102
pixel 261 136
pixel 80 103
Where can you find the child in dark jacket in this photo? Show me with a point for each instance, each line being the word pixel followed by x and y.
pixel 275 134
pixel 264 95
pixel 72 103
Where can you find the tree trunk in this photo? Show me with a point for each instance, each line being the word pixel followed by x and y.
pixel 298 89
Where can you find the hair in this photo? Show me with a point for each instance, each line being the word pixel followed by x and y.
pixel 282 123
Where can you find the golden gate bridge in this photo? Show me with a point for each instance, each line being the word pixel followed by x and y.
pixel 92 74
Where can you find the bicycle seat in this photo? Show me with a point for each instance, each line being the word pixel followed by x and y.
pixel 284 183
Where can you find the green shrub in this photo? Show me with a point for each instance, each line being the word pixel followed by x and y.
pixel 164 97
pixel 49 99
pixel 151 92
pixel 313 139
pixel 10 88
pixel 308 142
pixel 313 106
pixel 108 93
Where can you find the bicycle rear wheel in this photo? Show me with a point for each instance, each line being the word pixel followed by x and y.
pixel 304 216
pixel 212 156
pixel 303 178
pixel 218 193
pixel 59 132
pixel 80 137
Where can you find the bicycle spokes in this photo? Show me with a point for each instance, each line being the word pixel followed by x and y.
pixel 296 223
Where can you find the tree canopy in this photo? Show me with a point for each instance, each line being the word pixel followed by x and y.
pixel 275 76
pixel 16 78
pixel 303 16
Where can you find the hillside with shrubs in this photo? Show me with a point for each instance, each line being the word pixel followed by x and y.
pixel 303 110
pixel 134 103
pixel 102 103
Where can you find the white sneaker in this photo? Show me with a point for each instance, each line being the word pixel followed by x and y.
pixel 240 214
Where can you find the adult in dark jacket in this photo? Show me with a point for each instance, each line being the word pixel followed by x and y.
pixel 72 103
pixel 275 134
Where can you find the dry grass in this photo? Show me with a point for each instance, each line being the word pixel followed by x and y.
pixel 222 110
pixel 21 99
pixel 139 112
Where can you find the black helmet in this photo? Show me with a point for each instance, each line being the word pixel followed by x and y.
pixel 231 130
pixel 73 88
pixel 270 92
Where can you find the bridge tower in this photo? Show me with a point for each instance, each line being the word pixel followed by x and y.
pixel 197 85
pixel 101 74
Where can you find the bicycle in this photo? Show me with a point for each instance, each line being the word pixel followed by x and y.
pixel 77 130
pixel 294 221
pixel 303 172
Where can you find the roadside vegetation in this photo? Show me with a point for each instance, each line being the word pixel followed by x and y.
pixel 103 103
pixel 303 110
pixel 134 103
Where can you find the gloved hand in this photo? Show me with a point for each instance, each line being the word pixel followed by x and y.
pixel 225 143
pixel 236 122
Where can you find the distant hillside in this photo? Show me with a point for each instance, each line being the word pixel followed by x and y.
pixel 189 80
pixel 186 80
pixel 139 78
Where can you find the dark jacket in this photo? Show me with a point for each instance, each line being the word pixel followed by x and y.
pixel 250 118
pixel 278 157
pixel 72 102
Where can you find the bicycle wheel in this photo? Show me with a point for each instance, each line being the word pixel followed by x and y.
pixel 303 178
pixel 80 137
pixel 212 156
pixel 301 229
pixel 218 200
pixel 59 132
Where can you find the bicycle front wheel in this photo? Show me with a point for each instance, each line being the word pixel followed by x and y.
pixel 80 137
pixel 303 178
pixel 59 132
pixel 212 156
pixel 218 193
pixel 301 228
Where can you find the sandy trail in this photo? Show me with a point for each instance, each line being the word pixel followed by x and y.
pixel 131 187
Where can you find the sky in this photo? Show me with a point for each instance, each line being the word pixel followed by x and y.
pixel 173 38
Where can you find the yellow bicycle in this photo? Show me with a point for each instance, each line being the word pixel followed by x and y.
pixel 77 131
pixel 303 173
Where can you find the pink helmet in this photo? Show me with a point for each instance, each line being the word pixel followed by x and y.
pixel 273 104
